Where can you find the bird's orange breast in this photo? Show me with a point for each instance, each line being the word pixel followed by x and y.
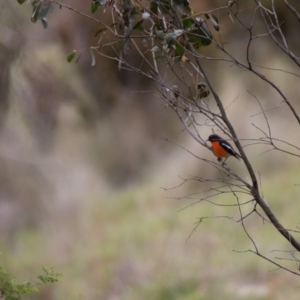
pixel 219 150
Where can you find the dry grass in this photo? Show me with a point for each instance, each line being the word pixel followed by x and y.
pixel 132 244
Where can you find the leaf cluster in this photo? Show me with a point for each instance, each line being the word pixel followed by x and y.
pixel 11 290
pixel 135 20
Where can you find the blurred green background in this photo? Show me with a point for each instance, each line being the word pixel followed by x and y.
pixel 86 175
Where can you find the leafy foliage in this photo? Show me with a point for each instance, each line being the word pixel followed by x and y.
pixel 131 17
pixel 96 4
pixel 12 290
pixel 49 275
pixel 40 10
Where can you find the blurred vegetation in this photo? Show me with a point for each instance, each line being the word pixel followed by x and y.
pixel 82 162
pixel 11 290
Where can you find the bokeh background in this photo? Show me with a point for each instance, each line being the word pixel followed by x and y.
pixel 87 181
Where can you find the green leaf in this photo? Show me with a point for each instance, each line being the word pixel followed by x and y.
pixel 94 7
pixel 201 35
pixel 21 1
pixel 187 22
pixel 198 40
pixel 96 4
pixel 49 275
pixel 139 26
pixel 35 13
pixel 99 31
pixel 214 21
pixel 93 58
pixel 71 57
pixel 179 51
pixel 154 7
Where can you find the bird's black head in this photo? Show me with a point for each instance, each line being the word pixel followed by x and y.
pixel 214 137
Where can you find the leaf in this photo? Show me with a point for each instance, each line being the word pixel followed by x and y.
pixel 183 6
pixel 201 35
pixel 113 24
pixel 179 51
pixel 160 34
pixel 93 57
pixel 214 21
pixel 139 26
pixel 40 10
pixel 198 40
pixel 45 22
pixel 94 7
pixel 35 13
pixel 155 49
pixel 21 1
pixel 187 22
pixel 170 37
pixel 206 31
pixel 165 47
pixel 71 57
pixel 154 7
pixel 99 31
pixel 96 4
pixel 178 32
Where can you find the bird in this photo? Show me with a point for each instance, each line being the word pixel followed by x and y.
pixel 221 148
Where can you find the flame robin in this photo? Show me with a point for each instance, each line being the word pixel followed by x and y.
pixel 221 148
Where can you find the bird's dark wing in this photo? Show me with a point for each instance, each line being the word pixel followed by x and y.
pixel 229 149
